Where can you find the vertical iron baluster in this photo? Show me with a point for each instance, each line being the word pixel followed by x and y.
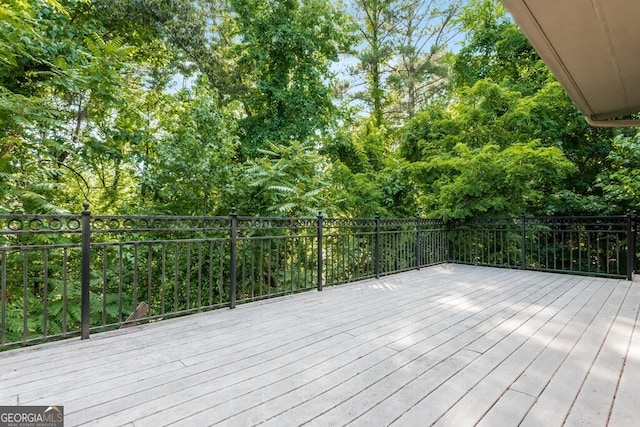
pixel 232 258
pixel 269 264
pixel 341 255
pixel 65 300
pixel 575 246
pixel 634 241
pixel 376 249
pixel 618 246
pixel 630 245
pixel 495 247
pixel 300 265
pixel 280 288
pixel 481 247
pixel 466 236
pixel 241 272
pixel 120 282
pixel 199 303
pixel 299 262
pixel 403 259
pixel 523 242
pixel 45 292
pixel 134 296
pixel 86 271
pixel 537 238
pixel 163 280
pixel 256 247
pixel 285 259
pixel 329 260
pixel 555 239
pixel 150 280
pixel 221 251
pixel 391 244
pixel 580 236
pixel 346 259
pixel 304 276
pixel 428 251
pixel 243 280
pixel 210 299
pixel 609 250
pixel 136 271
pixel 25 294
pixel 261 274
pixel 188 276
pixel 3 300
pixel 547 251
pixel 104 285
pixel 588 233
pixel 175 276
pixel 402 250
pixel 294 266
pixel 349 258
pixel 508 244
pixel 594 256
pixel 562 247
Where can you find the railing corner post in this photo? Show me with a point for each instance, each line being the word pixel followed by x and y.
pixel 320 258
pixel 233 256
pixel 85 274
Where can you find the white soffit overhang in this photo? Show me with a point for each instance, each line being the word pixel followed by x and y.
pixel 593 49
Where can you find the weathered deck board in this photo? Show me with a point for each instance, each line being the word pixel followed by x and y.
pixel 450 345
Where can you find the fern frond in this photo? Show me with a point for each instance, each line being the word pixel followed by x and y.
pixel 312 193
pixel 282 188
pixel 285 207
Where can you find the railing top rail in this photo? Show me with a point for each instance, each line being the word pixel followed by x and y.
pixel 15 224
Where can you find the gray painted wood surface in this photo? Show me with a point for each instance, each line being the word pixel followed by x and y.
pixel 449 345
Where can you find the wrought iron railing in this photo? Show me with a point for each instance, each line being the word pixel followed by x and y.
pixel 71 275
pixel 598 246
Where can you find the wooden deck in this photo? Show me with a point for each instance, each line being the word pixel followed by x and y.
pixel 450 345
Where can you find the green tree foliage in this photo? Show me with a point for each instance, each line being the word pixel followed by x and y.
pixel 25 68
pixel 420 72
pixel 189 167
pixel 400 55
pixel 496 49
pixel 620 182
pixel 284 54
pixel 356 163
pixel 489 181
pixel 375 24
pixel 288 180
pixel 365 175
pixel 505 101
pixel 485 154
pixel 91 108
pixel 76 146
